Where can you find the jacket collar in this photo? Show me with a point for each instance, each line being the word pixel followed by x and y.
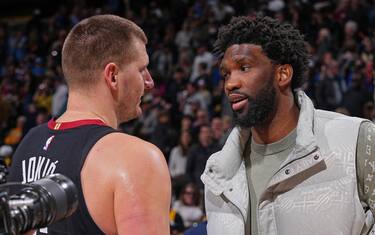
pixel 224 164
pixel 305 141
pixel 225 172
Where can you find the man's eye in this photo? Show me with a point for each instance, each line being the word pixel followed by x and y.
pixel 225 75
pixel 245 68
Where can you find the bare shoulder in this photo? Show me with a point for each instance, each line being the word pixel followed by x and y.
pixel 128 171
pixel 126 154
pixel 120 147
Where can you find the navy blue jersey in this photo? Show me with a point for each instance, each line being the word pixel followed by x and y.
pixel 60 148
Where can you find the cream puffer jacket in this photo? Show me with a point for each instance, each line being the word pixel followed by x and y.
pixel 313 192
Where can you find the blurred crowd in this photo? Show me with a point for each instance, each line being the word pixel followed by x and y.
pixel 187 115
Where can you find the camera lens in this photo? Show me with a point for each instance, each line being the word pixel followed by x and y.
pixel 43 202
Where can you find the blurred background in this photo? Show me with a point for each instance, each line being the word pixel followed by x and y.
pixel 186 115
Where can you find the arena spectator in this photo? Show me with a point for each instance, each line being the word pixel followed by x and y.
pixel 15 134
pixel 188 205
pixel 199 153
pixel 177 162
pixel 178 156
pixel 218 131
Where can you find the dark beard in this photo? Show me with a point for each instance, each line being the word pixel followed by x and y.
pixel 259 108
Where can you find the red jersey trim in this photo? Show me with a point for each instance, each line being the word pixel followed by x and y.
pixel 53 125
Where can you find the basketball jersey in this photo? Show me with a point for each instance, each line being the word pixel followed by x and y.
pixel 60 148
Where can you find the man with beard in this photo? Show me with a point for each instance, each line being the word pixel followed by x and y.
pixel 123 182
pixel 286 167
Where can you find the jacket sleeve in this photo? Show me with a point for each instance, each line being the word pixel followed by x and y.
pixel 366 172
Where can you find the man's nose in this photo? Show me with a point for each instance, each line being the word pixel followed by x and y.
pixel 232 83
pixel 149 82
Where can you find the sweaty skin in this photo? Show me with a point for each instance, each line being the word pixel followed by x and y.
pixel 130 195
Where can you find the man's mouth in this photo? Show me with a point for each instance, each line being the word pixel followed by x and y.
pixel 239 105
pixel 238 101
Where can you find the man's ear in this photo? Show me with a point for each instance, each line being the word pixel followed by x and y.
pixel 110 75
pixel 284 74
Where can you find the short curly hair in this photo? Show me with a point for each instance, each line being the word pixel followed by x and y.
pixel 281 43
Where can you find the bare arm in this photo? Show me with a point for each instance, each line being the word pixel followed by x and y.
pixel 149 194
pixel 133 176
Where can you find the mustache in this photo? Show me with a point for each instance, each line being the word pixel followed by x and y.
pixel 237 92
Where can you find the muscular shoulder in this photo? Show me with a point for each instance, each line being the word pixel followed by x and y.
pixel 125 172
pixel 125 152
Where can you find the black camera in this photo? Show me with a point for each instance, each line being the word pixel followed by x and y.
pixel 37 204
